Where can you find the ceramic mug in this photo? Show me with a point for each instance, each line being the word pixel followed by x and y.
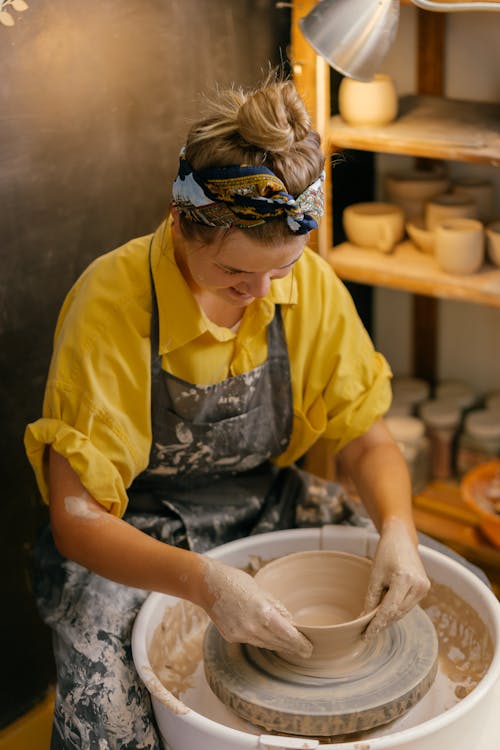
pixel 368 102
pixel 448 206
pixel 374 225
pixel 493 241
pixel 459 245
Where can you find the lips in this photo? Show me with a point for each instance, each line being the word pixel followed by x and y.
pixel 240 295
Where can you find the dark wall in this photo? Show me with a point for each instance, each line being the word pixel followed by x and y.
pixel 95 99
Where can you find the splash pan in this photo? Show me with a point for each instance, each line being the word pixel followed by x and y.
pixel 198 720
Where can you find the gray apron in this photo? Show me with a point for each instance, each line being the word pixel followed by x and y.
pixel 209 480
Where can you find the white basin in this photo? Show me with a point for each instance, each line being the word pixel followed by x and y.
pixel 471 723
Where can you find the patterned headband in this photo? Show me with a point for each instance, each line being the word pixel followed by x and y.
pixel 243 197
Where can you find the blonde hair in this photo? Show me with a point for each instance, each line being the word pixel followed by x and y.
pixel 267 126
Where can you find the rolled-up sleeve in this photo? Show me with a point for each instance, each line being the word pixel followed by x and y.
pixel 351 418
pixel 340 384
pixel 96 410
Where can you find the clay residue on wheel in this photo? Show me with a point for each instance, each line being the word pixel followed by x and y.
pixel 176 646
pixel 465 645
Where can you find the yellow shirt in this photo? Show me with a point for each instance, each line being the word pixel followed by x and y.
pixel 96 410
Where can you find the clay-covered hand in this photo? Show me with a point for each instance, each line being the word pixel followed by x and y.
pixel 244 613
pixel 398 581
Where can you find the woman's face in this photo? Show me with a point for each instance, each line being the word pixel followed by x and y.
pixel 237 269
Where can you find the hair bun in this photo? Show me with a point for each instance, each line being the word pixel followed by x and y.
pixel 274 118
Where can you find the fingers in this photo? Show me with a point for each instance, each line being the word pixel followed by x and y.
pixel 273 629
pixel 374 594
pixel 403 594
pixel 270 630
pixel 291 640
pixel 244 613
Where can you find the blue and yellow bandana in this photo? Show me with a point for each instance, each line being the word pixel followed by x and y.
pixel 244 196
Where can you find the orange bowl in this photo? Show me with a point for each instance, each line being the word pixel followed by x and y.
pixel 481 491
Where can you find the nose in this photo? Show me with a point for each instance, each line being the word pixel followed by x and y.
pixel 258 285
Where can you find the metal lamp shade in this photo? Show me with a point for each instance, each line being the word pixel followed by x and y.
pixel 354 36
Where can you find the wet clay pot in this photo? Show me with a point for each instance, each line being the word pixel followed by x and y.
pixel 325 592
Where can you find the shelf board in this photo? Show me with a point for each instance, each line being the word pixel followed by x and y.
pixel 440 512
pixel 429 126
pixel 413 271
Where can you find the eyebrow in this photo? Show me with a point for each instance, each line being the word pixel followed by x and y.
pixel 280 268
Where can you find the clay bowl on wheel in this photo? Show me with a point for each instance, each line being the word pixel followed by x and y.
pixel 325 593
pixel 481 491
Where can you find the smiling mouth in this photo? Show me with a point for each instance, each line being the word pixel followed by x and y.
pixel 241 295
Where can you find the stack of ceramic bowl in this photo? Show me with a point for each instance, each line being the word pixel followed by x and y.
pixel 447 219
pixel 412 188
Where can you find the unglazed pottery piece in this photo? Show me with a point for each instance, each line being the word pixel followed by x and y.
pixel 388 676
pixel 459 245
pixel 482 193
pixel 493 240
pixel 412 188
pixel 422 237
pixel 449 206
pixel 368 103
pixel 416 184
pixel 375 224
pixel 325 592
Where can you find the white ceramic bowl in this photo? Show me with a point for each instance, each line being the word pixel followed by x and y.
pixel 471 723
pixel 422 237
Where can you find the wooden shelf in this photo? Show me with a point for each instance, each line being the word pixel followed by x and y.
pixel 440 512
pixel 429 126
pixel 413 271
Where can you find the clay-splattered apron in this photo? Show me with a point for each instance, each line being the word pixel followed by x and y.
pixel 209 480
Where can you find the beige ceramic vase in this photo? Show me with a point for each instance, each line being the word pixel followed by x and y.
pixel 368 103
pixel 325 592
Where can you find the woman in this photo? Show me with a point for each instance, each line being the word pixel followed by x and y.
pixel 191 369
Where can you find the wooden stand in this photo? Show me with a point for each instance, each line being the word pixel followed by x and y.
pixel 428 127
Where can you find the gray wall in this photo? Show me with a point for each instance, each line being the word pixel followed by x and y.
pixel 95 99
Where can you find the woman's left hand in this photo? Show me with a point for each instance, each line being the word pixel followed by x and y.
pixel 398 581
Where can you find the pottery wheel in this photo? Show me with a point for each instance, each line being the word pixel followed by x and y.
pixel 381 681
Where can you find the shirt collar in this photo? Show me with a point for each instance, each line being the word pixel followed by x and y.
pixel 179 329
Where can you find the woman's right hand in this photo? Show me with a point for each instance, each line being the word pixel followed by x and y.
pixel 244 613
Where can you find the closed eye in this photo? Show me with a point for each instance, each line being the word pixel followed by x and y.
pixel 230 271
